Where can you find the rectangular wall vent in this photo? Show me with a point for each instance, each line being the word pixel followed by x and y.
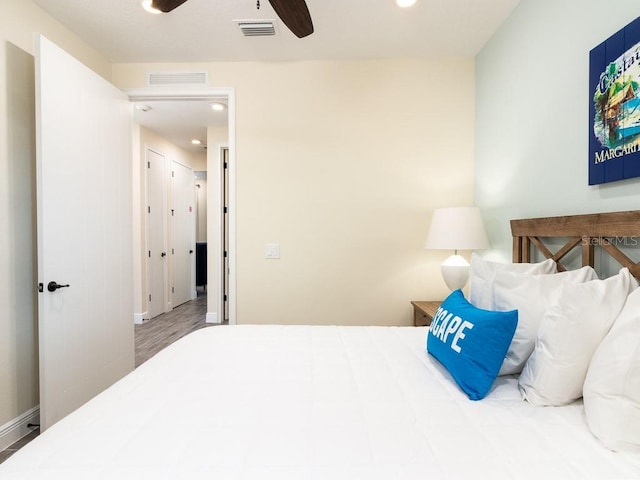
pixel 178 78
pixel 256 28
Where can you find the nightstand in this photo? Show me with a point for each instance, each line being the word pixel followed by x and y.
pixel 423 312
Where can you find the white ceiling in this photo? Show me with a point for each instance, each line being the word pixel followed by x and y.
pixel 180 121
pixel 205 31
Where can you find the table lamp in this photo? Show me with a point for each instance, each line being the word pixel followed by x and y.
pixel 456 228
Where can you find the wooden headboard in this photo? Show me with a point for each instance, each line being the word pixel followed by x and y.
pixel 604 230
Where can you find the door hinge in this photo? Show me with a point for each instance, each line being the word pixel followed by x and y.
pixel 173 212
pixel 226 209
pixel 149 209
pixel 173 252
pixel 226 165
pixel 173 290
pixel 225 298
pixel 149 253
pixel 173 174
pixel 225 254
pixel 149 297
pixel 148 164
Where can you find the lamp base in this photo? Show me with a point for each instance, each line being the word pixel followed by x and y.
pixel 455 271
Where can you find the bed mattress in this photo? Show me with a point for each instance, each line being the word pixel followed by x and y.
pixel 300 402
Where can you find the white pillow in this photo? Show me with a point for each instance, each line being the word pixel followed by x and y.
pixel 530 295
pixel 483 273
pixel 571 330
pixel 612 387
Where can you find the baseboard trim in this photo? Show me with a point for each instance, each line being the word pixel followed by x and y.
pixel 15 429
pixel 211 318
pixel 138 318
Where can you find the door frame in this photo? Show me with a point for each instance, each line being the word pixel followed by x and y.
pixel 210 94
pixel 224 231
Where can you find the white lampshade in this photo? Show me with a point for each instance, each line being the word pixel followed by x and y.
pixel 456 228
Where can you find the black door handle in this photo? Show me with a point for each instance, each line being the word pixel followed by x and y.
pixel 163 254
pixel 53 286
pixel 190 251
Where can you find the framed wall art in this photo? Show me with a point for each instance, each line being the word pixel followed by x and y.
pixel 614 112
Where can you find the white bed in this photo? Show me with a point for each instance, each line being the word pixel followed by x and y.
pixel 316 402
pixel 299 402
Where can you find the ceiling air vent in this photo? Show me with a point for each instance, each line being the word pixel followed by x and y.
pixel 256 28
pixel 178 78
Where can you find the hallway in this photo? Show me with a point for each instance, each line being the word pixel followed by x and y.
pixel 163 330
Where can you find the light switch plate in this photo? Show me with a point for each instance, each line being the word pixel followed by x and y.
pixel 272 250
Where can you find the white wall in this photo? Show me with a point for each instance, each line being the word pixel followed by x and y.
pixel 341 163
pixel 532 115
pixel 19 19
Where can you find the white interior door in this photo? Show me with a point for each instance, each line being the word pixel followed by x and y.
pixel 183 246
pixel 84 232
pixel 157 233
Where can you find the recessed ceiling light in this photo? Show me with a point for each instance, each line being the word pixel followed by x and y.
pixel 143 108
pixel 405 3
pixel 218 107
pixel 146 4
pixel 196 142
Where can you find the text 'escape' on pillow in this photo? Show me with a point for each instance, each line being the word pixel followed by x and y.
pixel 471 343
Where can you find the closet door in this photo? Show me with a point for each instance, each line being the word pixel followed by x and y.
pixel 156 234
pixel 183 222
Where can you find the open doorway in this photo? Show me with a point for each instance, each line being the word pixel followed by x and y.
pixel 169 115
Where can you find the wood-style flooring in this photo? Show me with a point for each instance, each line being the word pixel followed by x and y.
pixel 151 337
pixel 161 331
pixel 18 445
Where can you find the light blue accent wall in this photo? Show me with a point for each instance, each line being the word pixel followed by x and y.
pixel 532 115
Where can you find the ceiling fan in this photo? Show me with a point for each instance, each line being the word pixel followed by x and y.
pixel 294 13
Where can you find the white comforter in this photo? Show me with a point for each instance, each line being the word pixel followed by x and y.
pixel 296 402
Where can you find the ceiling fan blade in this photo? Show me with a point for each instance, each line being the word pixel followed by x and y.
pixel 166 5
pixel 295 15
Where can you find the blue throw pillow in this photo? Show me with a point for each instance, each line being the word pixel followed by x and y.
pixel 471 343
